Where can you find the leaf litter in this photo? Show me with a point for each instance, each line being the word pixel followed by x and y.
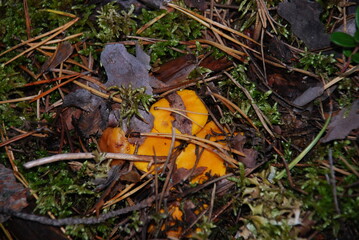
pixel 177 206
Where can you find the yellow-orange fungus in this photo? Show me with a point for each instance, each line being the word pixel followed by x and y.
pixel 213 163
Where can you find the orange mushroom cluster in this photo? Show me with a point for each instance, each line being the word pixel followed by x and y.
pixel 113 139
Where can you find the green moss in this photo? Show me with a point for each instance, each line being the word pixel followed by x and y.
pixel 320 199
pixel 174 27
pixel 318 63
pixel 236 95
pixel 115 24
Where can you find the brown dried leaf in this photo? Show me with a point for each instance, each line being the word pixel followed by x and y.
pixel 132 177
pixel 341 125
pixel 199 4
pixel 251 155
pixel 181 174
pixel 177 70
pixel 309 95
pixel 183 124
pixel 62 53
pixel 12 193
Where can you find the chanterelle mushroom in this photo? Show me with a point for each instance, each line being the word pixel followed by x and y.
pixel 214 164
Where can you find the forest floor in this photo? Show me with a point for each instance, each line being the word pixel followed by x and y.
pixel 190 119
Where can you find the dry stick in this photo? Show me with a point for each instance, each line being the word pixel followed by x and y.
pixel 49 80
pixel 349 166
pixel 75 220
pixel 259 113
pixel 181 114
pixel 174 88
pixel 173 140
pixel 63 28
pixel 16 138
pixel 96 92
pixel 124 192
pixel 284 66
pixel 203 143
pixel 56 41
pixel 339 170
pixel 58 12
pixel 193 223
pixel 263 10
pixel 213 195
pixel 150 23
pixel 94 80
pixel 54 88
pixel 341 77
pixel 18 99
pixel 27 18
pixel 72 156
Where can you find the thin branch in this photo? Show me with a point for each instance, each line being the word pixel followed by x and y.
pixel 75 220
pixel 72 156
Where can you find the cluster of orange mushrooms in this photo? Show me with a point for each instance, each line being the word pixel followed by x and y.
pixel 114 140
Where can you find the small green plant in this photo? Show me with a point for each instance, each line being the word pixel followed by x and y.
pixel 114 23
pixel 133 100
pixel 348 42
pixel 318 63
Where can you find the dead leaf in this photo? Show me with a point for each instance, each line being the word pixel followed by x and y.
pixel 124 69
pixel 131 176
pixel 309 95
pixel 342 124
pixel 94 116
pixel 12 193
pixel 182 174
pixel 62 53
pixel 183 124
pixel 303 16
pixel 280 50
pixel 177 70
pixel 199 4
pixel 249 160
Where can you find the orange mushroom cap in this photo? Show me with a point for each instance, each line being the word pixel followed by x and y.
pixel 214 164
pixel 160 146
